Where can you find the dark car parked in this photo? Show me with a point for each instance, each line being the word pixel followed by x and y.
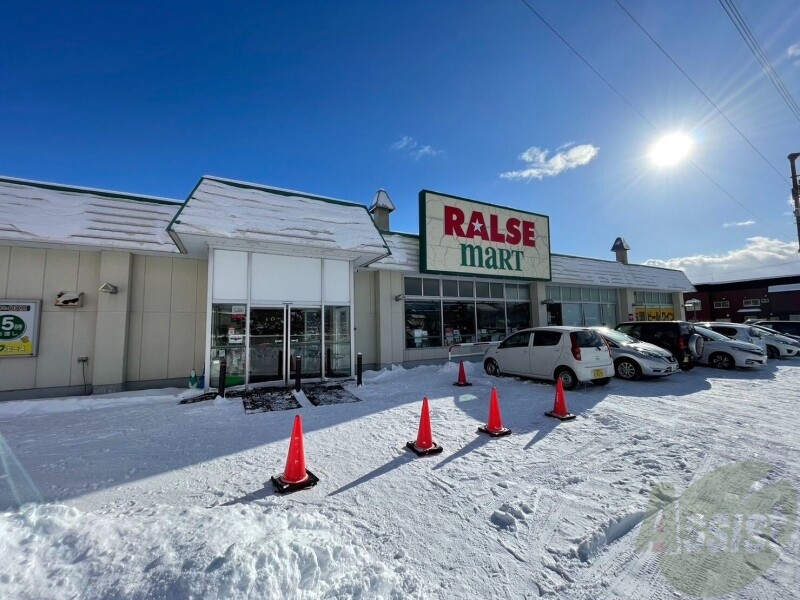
pixel 679 337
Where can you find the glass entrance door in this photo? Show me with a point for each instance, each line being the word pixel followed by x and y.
pixel 305 341
pixel 278 336
pixel 267 344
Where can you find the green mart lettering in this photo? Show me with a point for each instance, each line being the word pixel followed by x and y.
pixel 473 255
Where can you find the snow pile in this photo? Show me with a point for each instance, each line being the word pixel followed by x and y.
pixel 138 496
pixel 236 551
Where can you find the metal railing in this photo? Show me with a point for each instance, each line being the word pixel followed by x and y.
pixel 469 345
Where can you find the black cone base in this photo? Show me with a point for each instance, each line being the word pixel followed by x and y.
pixel 435 449
pixel 499 433
pixel 566 417
pixel 283 487
pixel 465 384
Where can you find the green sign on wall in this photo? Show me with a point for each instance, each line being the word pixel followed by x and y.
pixel 19 327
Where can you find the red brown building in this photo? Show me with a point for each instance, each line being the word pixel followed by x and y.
pixel 736 301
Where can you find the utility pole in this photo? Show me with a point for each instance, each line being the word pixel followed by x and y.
pixel 795 192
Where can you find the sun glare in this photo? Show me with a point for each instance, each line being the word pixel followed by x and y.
pixel 671 149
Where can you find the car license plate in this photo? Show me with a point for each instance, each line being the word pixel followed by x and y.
pixel 597 373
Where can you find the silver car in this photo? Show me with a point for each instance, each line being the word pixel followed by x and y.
pixel 634 358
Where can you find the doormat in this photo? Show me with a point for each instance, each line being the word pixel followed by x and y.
pixel 323 395
pixel 265 399
pixel 200 398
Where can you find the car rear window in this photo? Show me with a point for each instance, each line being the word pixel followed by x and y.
pixel 587 338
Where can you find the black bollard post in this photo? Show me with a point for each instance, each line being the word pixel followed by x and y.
pixel 359 365
pixel 223 373
pixel 297 362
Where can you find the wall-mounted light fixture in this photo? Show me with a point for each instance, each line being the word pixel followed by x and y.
pixel 108 288
pixel 400 297
pixel 69 299
pixel 548 301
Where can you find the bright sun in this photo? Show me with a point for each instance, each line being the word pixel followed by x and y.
pixel 671 149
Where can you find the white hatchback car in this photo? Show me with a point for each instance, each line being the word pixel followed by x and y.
pixel 738 331
pixel 572 354
pixel 724 353
pixel 778 345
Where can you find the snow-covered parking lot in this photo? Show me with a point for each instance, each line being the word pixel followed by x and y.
pixel 136 496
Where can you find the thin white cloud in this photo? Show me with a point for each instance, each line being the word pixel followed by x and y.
pixel 539 166
pixel 793 50
pixel 760 257
pixel 739 224
pixel 410 146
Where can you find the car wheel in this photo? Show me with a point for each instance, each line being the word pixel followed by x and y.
pixel 491 367
pixel 627 369
pixel 601 381
pixel 720 360
pixel 773 352
pixel 569 381
pixel 696 343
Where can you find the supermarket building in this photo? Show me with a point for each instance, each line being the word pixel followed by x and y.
pixel 104 291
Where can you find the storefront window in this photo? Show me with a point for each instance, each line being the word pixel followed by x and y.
pixel 571 314
pixel 228 328
pixel 491 321
pixel 469 311
pixel 518 316
pixel 459 322
pixel 423 324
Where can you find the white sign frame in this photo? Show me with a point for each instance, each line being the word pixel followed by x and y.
pixel 25 341
pixel 466 237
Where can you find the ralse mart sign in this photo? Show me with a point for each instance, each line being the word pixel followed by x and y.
pixel 465 237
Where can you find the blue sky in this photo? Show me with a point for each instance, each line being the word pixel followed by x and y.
pixel 478 99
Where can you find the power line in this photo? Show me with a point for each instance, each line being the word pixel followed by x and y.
pixel 697 87
pixel 750 39
pixel 634 109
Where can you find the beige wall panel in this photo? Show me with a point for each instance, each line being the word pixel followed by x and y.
pixel 134 346
pixel 157 284
pixel 17 373
pixel 199 341
pixel 109 359
pixel 184 285
pixel 5 259
pixel 83 345
pixel 154 355
pixel 60 274
pixel 88 275
pixel 364 316
pixel 137 283
pixel 115 269
pixel 181 345
pixel 26 273
pixel 53 364
pixel 202 286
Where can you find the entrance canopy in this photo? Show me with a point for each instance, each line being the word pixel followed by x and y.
pixel 251 217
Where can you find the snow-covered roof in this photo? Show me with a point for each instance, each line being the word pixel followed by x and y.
pixel 788 287
pixel 47 214
pixel 233 213
pixel 566 270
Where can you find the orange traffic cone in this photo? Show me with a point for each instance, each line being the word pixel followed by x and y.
pixel 424 444
pixel 462 376
pixel 295 476
pixel 560 406
pixel 495 425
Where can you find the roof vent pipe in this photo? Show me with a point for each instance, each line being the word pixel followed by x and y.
pixel 620 248
pixel 381 207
